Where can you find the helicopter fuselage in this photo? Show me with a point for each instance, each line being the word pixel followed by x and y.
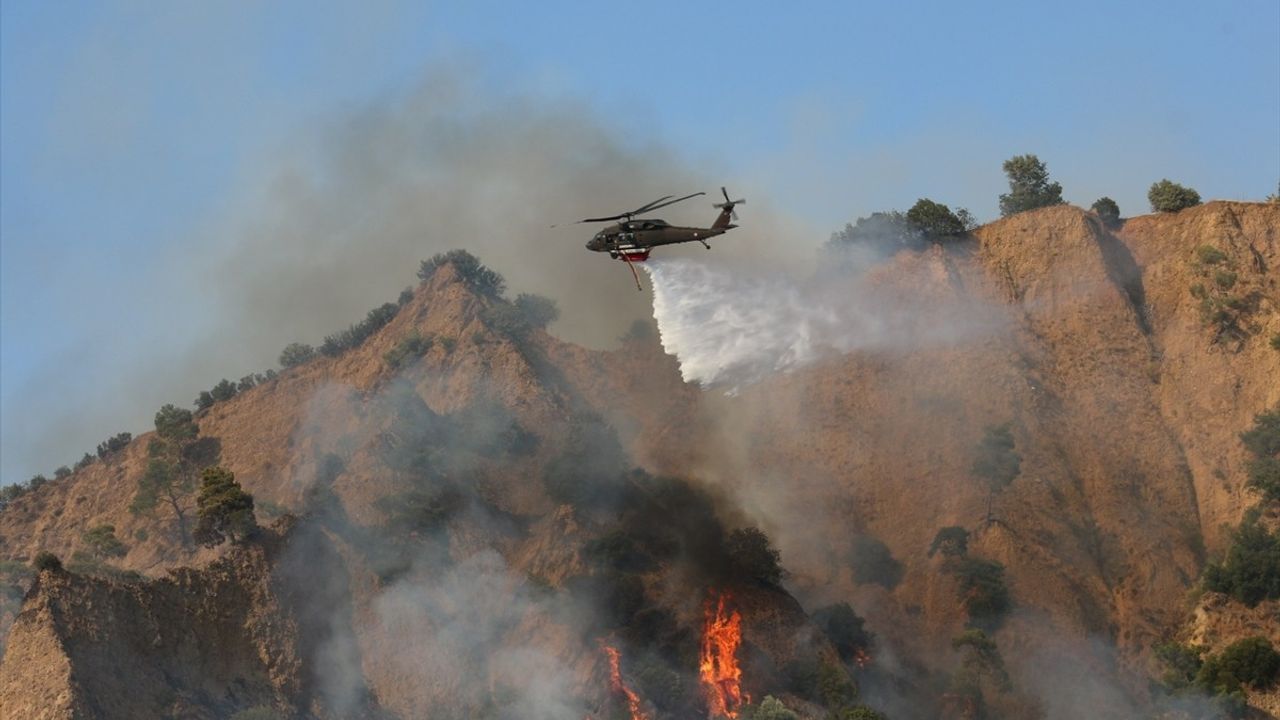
pixel 634 239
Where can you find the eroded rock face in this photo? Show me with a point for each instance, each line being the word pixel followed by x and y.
pixel 240 633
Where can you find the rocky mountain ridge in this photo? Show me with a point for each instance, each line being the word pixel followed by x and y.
pixel 1124 396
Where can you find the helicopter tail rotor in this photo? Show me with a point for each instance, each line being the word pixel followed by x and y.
pixel 726 209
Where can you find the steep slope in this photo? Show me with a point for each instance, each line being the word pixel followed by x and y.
pixel 1096 355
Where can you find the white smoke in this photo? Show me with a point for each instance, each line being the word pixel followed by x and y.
pixel 730 329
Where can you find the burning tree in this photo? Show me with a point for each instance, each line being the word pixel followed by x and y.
pixel 619 687
pixel 718 667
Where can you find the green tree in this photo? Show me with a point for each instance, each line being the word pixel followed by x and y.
pixel 410 348
pixel 469 269
pixel 175 425
pixel 224 390
pixel 538 311
pixel 1262 441
pixel 204 400
pixel 1251 662
pixel 1182 663
pixel 46 560
pixel 882 231
pixel 1250 571
pixel 952 541
pixel 114 444
pixel 224 509
pixel 873 563
pixel 1029 186
pixel 102 542
pixel 1107 210
pixel 845 629
pixel 1167 196
pixel 753 557
pixel 62 472
pixel 985 596
pixel 996 462
pixel 980 663
pixel 935 220
pixel 770 708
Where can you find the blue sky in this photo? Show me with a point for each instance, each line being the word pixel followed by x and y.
pixel 132 131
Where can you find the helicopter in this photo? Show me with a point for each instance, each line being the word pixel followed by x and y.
pixel 632 240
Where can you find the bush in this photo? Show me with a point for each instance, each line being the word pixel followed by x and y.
pixel 538 311
pixel 1181 662
pixel 114 444
pixel 845 629
pixel 618 551
pixel 770 708
pixel 62 472
pixel 753 557
pixel 1263 439
pixel 1250 662
pixel 873 563
pixel 406 297
pixel 858 712
pixel 84 462
pixel 411 347
pixel 103 543
pixel 882 231
pixel 258 712
pixel 223 508
pixel 1029 186
pixel 224 390
pixel 1107 210
pixel 1250 571
pixel 985 596
pixel 1210 255
pixel 1166 196
pixel 1263 443
pixel 375 320
pixel 295 354
pixel 36 482
pixel 420 511
pixel 204 400
pixel 996 461
pixel 1275 341
pixel 934 221
pixel 46 560
pixel 469 268
pixel 835 688
pixel 952 541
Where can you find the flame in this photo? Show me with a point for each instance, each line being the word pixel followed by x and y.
pixel 615 681
pixel 861 658
pixel 718 662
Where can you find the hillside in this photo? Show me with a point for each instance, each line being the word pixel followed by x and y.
pixel 1123 396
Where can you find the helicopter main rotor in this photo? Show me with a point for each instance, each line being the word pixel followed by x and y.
pixel 659 203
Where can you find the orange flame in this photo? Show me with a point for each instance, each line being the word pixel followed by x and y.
pixel 718 663
pixel 615 681
pixel 861 658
